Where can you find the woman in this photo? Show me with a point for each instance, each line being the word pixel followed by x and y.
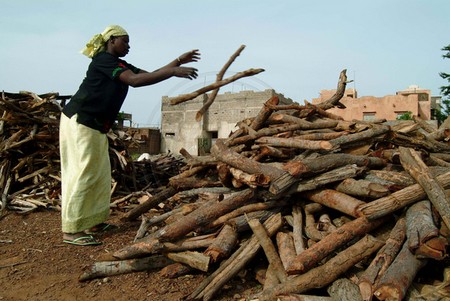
pixel 85 120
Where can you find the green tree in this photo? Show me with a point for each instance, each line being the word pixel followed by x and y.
pixel 444 110
pixel 405 116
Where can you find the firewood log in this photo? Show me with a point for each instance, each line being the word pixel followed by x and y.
pixel 369 279
pixel 223 245
pixel 110 268
pixel 332 176
pixel 327 272
pixel 175 270
pixel 270 278
pixel 336 200
pixel 333 101
pixel 361 136
pixel 219 77
pixel 344 289
pixel 422 233
pixel 299 297
pixel 399 276
pixel 144 207
pixel 312 256
pixel 185 97
pixel 295 143
pixel 297 229
pixel 193 259
pixel 269 249
pixel 399 199
pixel 228 269
pixel 286 248
pixel 362 188
pixel 418 170
pixel 246 209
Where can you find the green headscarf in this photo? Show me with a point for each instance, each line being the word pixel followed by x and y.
pixel 98 42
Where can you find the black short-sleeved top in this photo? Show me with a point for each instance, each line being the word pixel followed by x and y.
pixel 101 94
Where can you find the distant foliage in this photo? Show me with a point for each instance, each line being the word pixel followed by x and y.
pixel 405 116
pixel 444 110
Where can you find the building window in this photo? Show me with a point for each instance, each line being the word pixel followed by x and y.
pixel 369 116
pixel 214 134
pixel 169 135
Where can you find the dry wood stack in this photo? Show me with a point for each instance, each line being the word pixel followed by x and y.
pixel 341 208
pixel 29 157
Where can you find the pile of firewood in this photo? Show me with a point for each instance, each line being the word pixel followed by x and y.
pixel 29 157
pixel 309 203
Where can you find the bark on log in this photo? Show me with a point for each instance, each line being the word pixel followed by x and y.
pixel 321 136
pixel 299 297
pixel 340 90
pixel 401 179
pixel 286 248
pixel 251 180
pixel 312 256
pixel 362 188
pixel 385 256
pixel 175 270
pixel 344 289
pixel 422 233
pixel 399 199
pixel 193 259
pixel 295 143
pixel 440 134
pixel 190 243
pixel 193 182
pixel 246 209
pixel 223 245
pixel 110 268
pixel 335 200
pixel 297 229
pixel 146 206
pixel 335 175
pixel 329 271
pixel 264 132
pixel 399 276
pixel 434 146
pixel 412 163
pixel 269 249
pixel 311 230
pixel 332 161
pixel 270 278
pixel 361 136
pixel 185 97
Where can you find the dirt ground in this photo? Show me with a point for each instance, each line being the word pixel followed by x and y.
pixel 36 265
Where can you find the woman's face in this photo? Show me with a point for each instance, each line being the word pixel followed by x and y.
pixel 120 46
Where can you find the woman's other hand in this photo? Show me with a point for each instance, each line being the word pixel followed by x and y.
pixel 188 57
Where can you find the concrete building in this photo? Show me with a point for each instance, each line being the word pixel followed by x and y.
pixel 416 100
pixel 179 129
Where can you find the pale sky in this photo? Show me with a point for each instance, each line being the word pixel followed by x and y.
pixel 385 45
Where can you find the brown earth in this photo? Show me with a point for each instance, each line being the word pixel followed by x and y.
pixel 36 265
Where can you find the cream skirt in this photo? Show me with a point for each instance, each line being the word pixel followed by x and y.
pixel 85 176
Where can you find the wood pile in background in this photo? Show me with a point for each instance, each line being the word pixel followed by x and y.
pixel 307 203
pixel 30 165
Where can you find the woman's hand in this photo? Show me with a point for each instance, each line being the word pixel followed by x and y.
pixel 188 57
pixel 186 72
